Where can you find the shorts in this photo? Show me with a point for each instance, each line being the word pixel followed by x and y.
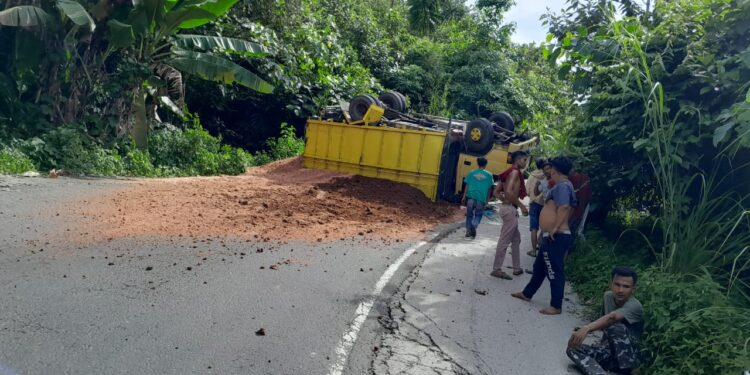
pixel 535 209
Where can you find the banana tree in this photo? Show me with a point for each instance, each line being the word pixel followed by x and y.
pixel 151 37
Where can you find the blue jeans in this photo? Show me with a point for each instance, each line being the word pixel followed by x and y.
pixel 474 213
pixel 550 264
pixel 534 210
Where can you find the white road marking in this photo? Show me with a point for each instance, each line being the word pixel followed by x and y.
pixel 363 310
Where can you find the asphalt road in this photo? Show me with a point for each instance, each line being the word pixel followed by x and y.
pixel 177 306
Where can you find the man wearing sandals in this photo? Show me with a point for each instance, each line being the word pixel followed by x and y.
pixel 622 325
pixel 510 191
pixel 556 238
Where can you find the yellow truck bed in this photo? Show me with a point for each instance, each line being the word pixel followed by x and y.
pixel 421 158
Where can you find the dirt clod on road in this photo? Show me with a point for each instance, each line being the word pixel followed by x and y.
pixel 277 202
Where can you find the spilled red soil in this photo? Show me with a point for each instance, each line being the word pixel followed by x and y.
pixel 280 201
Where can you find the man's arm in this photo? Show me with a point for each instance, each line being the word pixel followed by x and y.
pixel 602 323
pixel 563 214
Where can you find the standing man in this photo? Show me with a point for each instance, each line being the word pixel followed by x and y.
pixel 536 200
pixel 510 190
pixel 476 194
pixel 582 187
pixel 556 238
pixel 622 324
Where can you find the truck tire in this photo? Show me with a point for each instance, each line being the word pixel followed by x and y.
pixel 360 104
pixel 503 120
pixel 479 137
pixel 393 100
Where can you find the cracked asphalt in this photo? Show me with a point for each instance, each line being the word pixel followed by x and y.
pixel 451 317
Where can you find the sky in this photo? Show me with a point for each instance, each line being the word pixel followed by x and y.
pixel 526 15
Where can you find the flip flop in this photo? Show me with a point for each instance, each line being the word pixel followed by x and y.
pixel 501 274
pixel 520 296
pixel 517 272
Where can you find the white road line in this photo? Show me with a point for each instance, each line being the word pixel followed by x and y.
pixel 363 310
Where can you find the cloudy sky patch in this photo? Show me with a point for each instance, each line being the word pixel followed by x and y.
pixel 526 16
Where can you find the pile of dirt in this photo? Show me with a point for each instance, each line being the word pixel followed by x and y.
pixel 279 201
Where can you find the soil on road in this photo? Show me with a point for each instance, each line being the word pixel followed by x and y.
pixel 280 201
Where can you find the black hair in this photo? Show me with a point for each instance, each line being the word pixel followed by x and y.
pixel 515 155
pixel 561 164
pixel 623 271
pixel 541 162
pixel 482 162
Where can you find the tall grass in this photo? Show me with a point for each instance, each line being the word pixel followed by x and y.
pixel 703 231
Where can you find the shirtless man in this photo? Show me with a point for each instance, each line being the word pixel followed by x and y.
pixel 510 191
pixel 556 238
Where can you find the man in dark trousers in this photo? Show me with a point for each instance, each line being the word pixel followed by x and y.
pixel 510 190
pixel 622 324
pixel 476 194
pixel 556 238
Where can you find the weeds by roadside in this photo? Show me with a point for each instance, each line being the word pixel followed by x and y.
pixel 171 152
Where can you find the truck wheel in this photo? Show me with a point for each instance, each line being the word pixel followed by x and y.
pixel 360 104
pixel 393 100
pixel 503 120
pixel 479 137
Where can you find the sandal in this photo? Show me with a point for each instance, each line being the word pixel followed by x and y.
pixel 517 272
pixel 501 274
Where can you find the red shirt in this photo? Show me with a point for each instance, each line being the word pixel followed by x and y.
pixel 522 189
pixel 582 186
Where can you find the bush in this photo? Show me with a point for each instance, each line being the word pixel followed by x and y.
pixel 692 327
pixel 13 161
pixel 195 152
pixel 287 145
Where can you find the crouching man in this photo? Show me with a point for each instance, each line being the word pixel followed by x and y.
pixel 622 324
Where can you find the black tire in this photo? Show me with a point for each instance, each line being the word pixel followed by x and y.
pixel 503 120
pixel 479 137
pixel 359 105
pixel 393 100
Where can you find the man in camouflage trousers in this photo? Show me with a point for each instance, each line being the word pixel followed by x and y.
pixel 622 324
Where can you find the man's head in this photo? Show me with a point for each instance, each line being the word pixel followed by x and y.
pixel 519 159
pixel 482 162
pixel 623 284
pixel 561 165
pixel 540 163
pixel 547 169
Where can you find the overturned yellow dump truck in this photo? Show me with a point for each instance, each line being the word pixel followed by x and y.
pixel 374 138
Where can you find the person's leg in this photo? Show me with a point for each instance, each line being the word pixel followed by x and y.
pixel 538 274
pixel 556 268
pixel 478 213
pixel 589 358
pixel 625 349
pixel 515 249
pixel 510 222
pixel 469 216
pixel 535 210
